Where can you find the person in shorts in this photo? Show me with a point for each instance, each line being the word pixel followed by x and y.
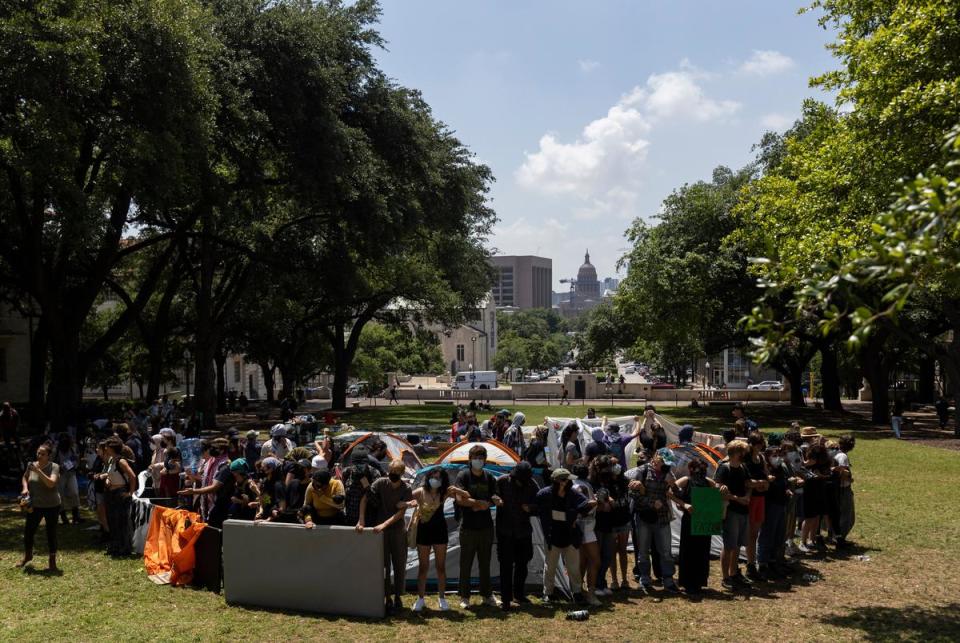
pixel 732 477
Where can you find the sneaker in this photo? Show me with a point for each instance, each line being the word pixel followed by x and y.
pixel 624 584
pixel 671 588
pixel 790 549
pixel 397 603
pixel 444 605
pixel 645 588
pixel 803 548
pixel 727 583
pixel 464 603
pixel 820 543
pixel 743 580
pixel 419 605
pixel 592 600
pixel 754 574
pixel 491 601
pixel 546 599
pixel 600 592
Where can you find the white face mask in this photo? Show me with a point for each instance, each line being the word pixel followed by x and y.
pixel 616 469
pixel 434 483
pixel 776 462
pixel 476 464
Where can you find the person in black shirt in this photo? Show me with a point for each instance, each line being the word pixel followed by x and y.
pixel 560 506
pixel 224 484
pixel 774 529
pixel 476 525
pixel 732 478
pixel 756 464
pixel 514 533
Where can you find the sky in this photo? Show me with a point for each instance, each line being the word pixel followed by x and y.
pixel 591 113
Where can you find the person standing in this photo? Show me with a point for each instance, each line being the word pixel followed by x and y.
pixel 732 477
pixel 513 438
pixel 432 534
pixel 564 393
pixel 121 482
pixel 560 507
pixel 242 402
pixel 357 479
pixel 476 524
pixel 391 496
pixel 39 493
pixel 846 516
pixel 393 394
pixel 514 532
pixel 653 518
pixel 69 461
pixel 694 550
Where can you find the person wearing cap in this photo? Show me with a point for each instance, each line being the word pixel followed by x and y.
pixel 357 479
pixel 560 506
pixel 251 448
pixel 323 500
pixel 514 532
pixel 392 497
pixel 653 518
pixel 278 445
pixel 245 499
pixel 224 484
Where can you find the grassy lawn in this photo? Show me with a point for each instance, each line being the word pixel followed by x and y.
pixel 907 523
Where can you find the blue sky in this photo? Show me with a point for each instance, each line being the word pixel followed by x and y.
pixel 590 113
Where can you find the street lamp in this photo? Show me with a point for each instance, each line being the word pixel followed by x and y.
pixel 706 374
pixel 473 341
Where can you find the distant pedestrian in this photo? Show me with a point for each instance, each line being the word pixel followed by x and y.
pixel 243 402
pixel 393 394
pixel 564 395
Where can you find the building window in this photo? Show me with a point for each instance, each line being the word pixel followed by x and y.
pixel 3 364
pixel 236 371
pixel 460 352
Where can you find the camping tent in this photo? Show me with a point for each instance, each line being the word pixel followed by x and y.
pixel 500 457
pixel 397 449
pixel 537 565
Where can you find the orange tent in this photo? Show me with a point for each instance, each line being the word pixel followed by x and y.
pixel 168 553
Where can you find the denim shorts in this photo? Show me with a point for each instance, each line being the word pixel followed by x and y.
pixel 621 529
pixel 735 530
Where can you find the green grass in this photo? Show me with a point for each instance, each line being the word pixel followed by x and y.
pixel 907 523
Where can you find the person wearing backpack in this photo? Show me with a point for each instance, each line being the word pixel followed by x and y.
pixel 357 479
pixel 476 525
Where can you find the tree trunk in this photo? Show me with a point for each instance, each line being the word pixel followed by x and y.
pixel 268 382
pixel 286 379
pixel 205 393
pixel 830 378
pixel 155 373
pixel 341 367
pixel 794 375
pixel 221 383
pixel 926 389
pixel 65 393
pixel 878 375
pixel 38 374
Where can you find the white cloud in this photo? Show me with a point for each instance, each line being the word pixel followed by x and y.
pixel 764 62
pixel 604 166
pixel 776 121
pixel 587 65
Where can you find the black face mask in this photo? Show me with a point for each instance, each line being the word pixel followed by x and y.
pixel 394 477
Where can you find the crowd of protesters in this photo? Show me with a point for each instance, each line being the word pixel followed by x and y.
pixel 777 488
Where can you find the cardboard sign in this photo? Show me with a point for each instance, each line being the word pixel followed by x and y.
pixel 707 516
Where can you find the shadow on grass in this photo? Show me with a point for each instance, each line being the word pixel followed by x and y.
pixel 30 570
pixel 909 623
pixel 70 538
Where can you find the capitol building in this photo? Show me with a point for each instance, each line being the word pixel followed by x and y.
pixel 586 291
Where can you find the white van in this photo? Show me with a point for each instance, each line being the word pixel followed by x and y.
pixel 474 380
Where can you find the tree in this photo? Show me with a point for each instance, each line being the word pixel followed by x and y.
pixel 104 114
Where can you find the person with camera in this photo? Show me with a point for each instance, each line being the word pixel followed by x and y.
pixel 391 496
pixel 120 483
pixel 40 498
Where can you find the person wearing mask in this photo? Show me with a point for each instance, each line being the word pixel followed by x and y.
pixel 732 478
pixel 279 445
pixel 758 482
pixel 773 532
pixel 222 488
pixel 613 520
pixel 357 479
pixel 39 493
pixel 169 486
pixel 121 482
pixel 476 524
pixel 391 496
pixel 469 429
pixel 587 524
pixel 432 534
pixel 513 438
pixel 272 490
pixel 560 507
pixel 653 518
pixel 323 500
pixel 518 491
pixel 69 462
pixel 591 414
pixel 846 514
pixel 694 563
pixel 818 467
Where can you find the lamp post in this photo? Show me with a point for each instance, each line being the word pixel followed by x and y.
pixel 706 374
pixel 186 358
pixel 473 354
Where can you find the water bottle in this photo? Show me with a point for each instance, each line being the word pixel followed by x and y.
pixel 578 615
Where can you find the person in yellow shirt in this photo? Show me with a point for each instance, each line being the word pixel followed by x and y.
pixel 324 500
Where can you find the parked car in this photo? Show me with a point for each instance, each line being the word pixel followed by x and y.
pixel 663 385
pixel 630 370
pixel 766 385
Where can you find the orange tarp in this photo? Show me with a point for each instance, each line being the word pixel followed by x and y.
pixel 168 551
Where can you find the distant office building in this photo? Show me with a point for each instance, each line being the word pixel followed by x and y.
pixel 523 282
pixel 611 284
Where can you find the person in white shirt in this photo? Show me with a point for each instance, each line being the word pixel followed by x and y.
pixel 278 445
pixel 846 516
